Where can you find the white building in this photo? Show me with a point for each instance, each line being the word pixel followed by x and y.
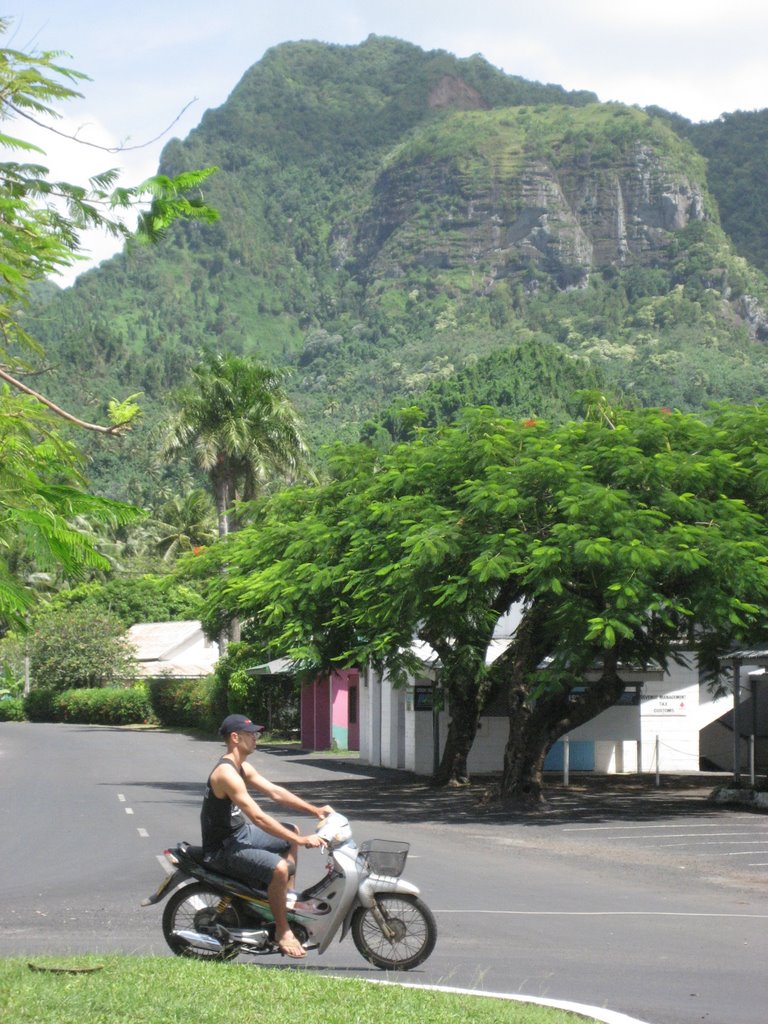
pixel 178 649
pixel 666 721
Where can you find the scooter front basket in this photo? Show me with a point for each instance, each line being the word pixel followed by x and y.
pixel 384 856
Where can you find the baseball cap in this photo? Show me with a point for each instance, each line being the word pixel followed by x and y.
pixel 238 723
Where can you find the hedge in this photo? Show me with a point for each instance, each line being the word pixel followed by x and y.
pixel 105 706
pixel 185 703
pixel 12 710
pixel 39 705
pixel 180 703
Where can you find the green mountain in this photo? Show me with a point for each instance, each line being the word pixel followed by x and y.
pixel 402 227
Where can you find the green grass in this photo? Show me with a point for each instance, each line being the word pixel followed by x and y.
pixel 161 990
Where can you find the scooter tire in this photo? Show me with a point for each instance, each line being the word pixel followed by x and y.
pixel 415 932
pixel 193 908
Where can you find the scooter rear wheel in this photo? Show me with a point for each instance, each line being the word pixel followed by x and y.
pixel 192 909
pixel 413 927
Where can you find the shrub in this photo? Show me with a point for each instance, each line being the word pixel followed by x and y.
pixel 12 710
pixel 185 703
pixel 105 706
pixel 39 705
pixel 79 647
pixel 271 700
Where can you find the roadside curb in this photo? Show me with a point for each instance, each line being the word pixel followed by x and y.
pixel 596 1012
pixel 758 799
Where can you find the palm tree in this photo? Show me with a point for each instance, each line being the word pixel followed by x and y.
pixel 185 522
pixel 238 425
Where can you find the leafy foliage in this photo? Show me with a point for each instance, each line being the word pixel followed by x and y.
pixel 358 192
pixel 615 535
pixel 271 700
pixel 104 706
pixel 43 491
pixel 185 703
pixel 82 647
pixel 42 495
pixel 237 424
pixel 12 710
pixel 735 146
pixel 42 219
pixel 146 598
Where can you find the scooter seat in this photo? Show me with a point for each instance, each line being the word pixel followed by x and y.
pixel 197 853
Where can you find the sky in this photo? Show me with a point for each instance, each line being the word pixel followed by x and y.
pixel 156 66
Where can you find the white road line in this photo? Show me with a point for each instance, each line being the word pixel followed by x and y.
pixel 741 842
pixel 121 797
pixel 646 827
pixel 598 1013
pixel 129 810
pixel 606 913
pixel 680 835
pixel 143 833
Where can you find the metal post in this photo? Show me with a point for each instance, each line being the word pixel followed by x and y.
pixel 566 759
pixel 753 746
pixel 658 767
pixel 736 721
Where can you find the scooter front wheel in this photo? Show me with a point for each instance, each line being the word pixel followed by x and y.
pixel 408 936
pixel 190 918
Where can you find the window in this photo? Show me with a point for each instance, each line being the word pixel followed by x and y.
pixel 352 705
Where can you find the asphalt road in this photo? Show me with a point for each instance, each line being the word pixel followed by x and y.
pixel 651 903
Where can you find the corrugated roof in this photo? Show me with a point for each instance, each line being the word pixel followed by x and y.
pixel 155 640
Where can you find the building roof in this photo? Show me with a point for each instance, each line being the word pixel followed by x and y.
pixel 172 648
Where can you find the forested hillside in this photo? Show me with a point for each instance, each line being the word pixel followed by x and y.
pixel 402 227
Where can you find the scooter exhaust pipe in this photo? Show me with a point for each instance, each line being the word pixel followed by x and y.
pixel 254 938
pixel 200 941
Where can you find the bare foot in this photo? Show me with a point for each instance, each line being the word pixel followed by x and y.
pixel 289 945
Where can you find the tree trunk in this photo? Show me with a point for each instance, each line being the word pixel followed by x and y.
pixel 531 732
pixel 464 679
pixel 462 728
pixel 534 725
pixel 221 494
pixel 222 489
pixel 527 745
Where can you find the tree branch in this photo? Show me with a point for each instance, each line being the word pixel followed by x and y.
pixel 114 429
pixel 95 145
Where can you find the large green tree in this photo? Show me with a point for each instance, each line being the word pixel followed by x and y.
pixel 617 537
pixel 42 491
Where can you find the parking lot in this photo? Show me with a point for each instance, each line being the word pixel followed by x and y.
pixel 733 840
pixel 673 827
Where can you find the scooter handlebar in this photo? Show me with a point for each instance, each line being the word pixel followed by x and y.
pixel 334 829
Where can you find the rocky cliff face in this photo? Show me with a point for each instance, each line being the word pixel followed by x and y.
pixel 518 210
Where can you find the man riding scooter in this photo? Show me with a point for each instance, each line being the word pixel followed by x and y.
pixel 242 840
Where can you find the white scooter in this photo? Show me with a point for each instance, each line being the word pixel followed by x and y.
pixel 210 916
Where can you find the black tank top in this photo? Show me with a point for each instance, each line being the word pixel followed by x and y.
pixel 219 817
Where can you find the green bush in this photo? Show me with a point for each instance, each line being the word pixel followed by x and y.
pixel 271 700
pixel 105 706
pixel 75 648
pixel 12 710
pixel 185 703
pixel 39 705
